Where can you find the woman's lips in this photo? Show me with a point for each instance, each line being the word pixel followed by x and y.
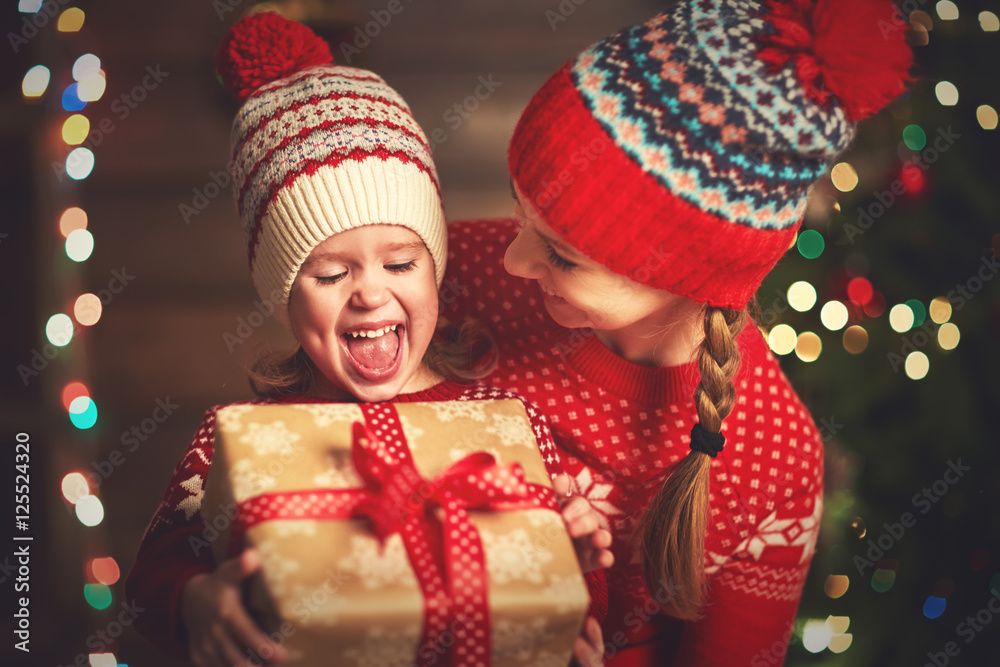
pixel 549 295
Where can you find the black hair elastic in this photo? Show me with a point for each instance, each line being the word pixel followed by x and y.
pixel 705 442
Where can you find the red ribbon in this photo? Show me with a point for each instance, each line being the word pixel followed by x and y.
pixel 432 517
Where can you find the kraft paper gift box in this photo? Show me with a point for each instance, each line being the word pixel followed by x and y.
pixel 334 593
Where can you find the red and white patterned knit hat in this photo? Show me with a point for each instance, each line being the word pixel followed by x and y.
pixel 679 152
pixel 319 149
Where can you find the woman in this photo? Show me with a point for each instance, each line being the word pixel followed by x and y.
pixel 658 177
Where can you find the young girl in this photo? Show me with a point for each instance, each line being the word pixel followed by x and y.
pixel 342 216
pixel 658 177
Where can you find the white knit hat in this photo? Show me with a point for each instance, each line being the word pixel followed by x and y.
pixel 319 149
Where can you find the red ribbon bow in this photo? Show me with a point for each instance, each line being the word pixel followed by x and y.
pixel 399 493
pixel 454 578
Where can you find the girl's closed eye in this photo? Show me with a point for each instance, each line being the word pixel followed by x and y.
pixel 331 280
pixel 401 267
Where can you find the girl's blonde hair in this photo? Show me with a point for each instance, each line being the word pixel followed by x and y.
pixel 672 530
pixel 464 352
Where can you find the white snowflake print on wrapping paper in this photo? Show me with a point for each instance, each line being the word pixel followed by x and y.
pixel 268 439
pixel 323 602
pixel 248 481
pixel 384 647
pixel 568 591
pixel 338 477
pixel 547 659
pixel 513 640
pixel 276 567
pixel 513 556
pixel 597 494
pixel 294 527
pixel 544 519
pixel 457 454
pixel 411 432
pixel 512 431
pixel 325 414
pixel 390 567
pixel 448 410
pixel 794 532
pixel 230 418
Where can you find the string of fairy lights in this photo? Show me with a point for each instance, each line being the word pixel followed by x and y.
pixel 83 84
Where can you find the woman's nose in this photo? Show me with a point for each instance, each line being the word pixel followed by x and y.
pixel 521 259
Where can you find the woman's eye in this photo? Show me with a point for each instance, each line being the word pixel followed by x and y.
pixel 401 268
pixel 330 280
pixel 558 260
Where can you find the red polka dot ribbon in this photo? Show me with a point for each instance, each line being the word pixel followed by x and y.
pixel 432 517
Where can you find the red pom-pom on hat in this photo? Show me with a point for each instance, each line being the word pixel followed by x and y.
pixel 853 49
pixel 265 47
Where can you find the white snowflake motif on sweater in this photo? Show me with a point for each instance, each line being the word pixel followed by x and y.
pixel 378 567
pixel 276 567
pixel 273 438
pixel 794 532
pixel 325 414
pixel 715 562
pixel 513 640
pixel 448 410
pixel 248 481
pixel 597 494
pixel 513 556
pixel 512 431
pixel 386 648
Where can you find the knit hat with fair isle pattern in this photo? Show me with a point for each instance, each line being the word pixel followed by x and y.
pixel 695 136
pixel 319 149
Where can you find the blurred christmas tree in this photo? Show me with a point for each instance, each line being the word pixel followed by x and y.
pixel 889 315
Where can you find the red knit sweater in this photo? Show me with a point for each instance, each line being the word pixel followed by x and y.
pixel 617 424
pixel 173 548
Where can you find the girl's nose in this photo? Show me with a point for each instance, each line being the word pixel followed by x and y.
pixel 521 258
pixel 369 293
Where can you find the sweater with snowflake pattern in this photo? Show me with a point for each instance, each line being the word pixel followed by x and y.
pixel 174 547
pixel 617 425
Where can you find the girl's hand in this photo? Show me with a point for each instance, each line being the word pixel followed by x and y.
pixel 591 541
pixel 220 632
pixel 588 651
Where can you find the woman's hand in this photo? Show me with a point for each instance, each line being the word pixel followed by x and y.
pixel 588 651
pixel 220 632
pixel 591 541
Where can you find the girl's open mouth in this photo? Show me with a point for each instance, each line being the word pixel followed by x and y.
pixel 375 354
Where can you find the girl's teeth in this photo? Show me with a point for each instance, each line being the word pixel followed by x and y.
pixel 374 333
